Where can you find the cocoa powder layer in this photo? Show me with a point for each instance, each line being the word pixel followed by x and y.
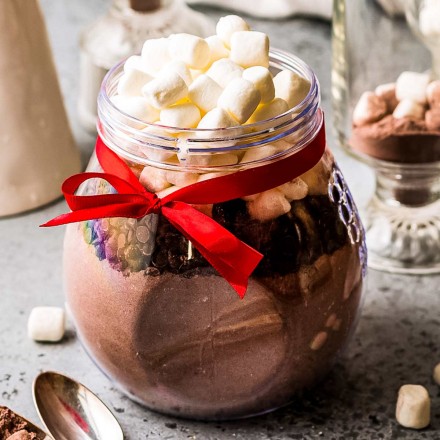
pixel 14 427
pixel 397 140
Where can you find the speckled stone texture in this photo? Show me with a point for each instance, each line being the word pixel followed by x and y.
pixel 397 340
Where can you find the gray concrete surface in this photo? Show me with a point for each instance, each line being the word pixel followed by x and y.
pixel 397 340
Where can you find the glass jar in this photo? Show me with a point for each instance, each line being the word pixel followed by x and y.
pixel 160 321
pixel 122 32
pixel 383 67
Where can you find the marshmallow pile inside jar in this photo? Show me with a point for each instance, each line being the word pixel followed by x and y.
pixel 184 82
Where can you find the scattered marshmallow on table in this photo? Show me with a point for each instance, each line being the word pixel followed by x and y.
pixel 240 98
pixel 180 115
pixel 409 109
pixel 137 107
pixel 228 25
pixel 165 90
pixel 250 48
pixel 155 54
pixel 268 111
pixel 412 86
pixel 291 87
pixel 204 92
pixel 46 324
pixel 193 51
pixel 413 407
pixel 370 108
pixel 262 80
pixel 224 71
pixel 268 205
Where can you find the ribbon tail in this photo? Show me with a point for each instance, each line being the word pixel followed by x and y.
pixel 233 259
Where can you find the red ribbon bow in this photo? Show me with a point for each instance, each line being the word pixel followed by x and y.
pixel 233 259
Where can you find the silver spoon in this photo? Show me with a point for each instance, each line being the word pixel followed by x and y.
pixel 70 411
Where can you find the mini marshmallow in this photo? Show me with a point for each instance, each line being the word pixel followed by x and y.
pixel 433 93
pixel 429 22
pixel 412 86
pixel 155 54
pixel 413 407
pixel 192 50
pixel 153 179
pixel 317 179
pixel 180 115
pixel 240 98
pixel 226 26
pixel 180 68
pixel 259 153
pixel 208 176
pixel 216 118
pixel 209 160
pixel 204 92
pixel 370 108
pixel 291 87
pixel 132 81
pixel 224 71
pixel 436 374
pixel 387 92
pixel 268 205
pixel 180 178
pixel 135 62
pixel 157 154
pixel 268 111
pixel 409 109
pixel 167 191
pixel 217 49
pixel 262 80
pixel 295 190
pixel 137 107
pixel 46 324
pixel 250 48
pixel 165 90
pixel 432 118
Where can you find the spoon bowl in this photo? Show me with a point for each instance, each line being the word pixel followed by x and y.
pixel 70 411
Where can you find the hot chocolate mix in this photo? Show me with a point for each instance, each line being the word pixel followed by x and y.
pixel 14 427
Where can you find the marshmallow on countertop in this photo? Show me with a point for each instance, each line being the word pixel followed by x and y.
pixel 412 85
pixel 433 94
pixel 204 92
pixel 180 115
pixel 370 108
pixel 217 49
pixel 268 111
pixel 388 93
pixel 165 90
pixel 226 27
pixel 291 87
pixel 240 98
pixel 409 109
pixel 46 324
pixel 137 107
pixel 155 54
pixel 193 51
pixel 132 81
pixel 268 205
pixel 413 407
pixel 250 48
pixel 262 80
pixel 224 71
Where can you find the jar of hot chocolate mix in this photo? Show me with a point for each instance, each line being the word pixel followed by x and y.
pixel 386 97
pixel 214 269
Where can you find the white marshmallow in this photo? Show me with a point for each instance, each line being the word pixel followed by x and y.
pixel 180 178
pixel 180 115
pixel 436 374
pixel 409 109
pixel 180 68
pixel 413 407
pixel 153 179
pixel 259 153
pixel 226 26
pixel 46 324
pixel 262 80
pixel 165 90
pixel 211 159
pixel 295 190
pixel 268 111
pixel 196 73
pixel 192 50
pixel 157 154
pixel 429 21
pixel 167 191
pixel 388 93
pixel 370 108
pixel 204 92
pixel 240 98
pixel 224 71
pixel 412 85
pixel 291 87
pixel 135 62
pixel 250 48
pixel 216 118
pixel 217 49
pixel 208 176
pixel 433 94
pixel 132 81
pixel 155 54
pixel 137 107
pixel 268 205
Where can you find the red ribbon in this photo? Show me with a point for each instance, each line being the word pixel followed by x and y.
pixel 233 259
